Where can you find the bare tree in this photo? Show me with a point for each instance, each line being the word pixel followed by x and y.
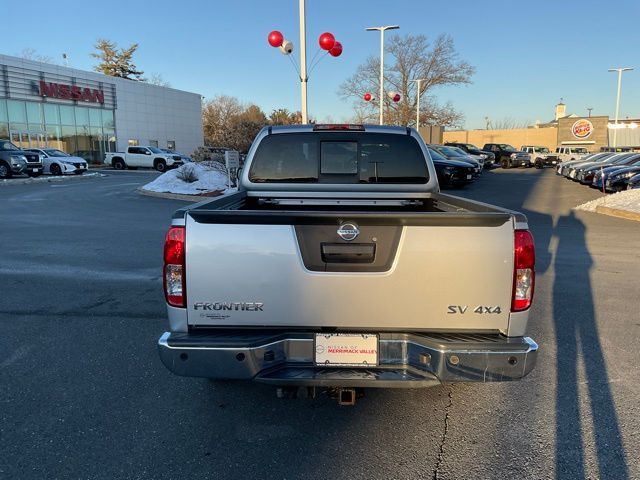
pixel 157 79
pixel 229 123
pixel 507 123
pixel 116 62
pixel 410 57
pixel 32 54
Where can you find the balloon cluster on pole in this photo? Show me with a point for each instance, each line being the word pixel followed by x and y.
pixel 394 96
pixel 329 43
pixel 277 40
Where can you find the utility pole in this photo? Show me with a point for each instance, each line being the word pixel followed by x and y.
pixel 419 82
pixel 303 63
pixel 381 95
pixel 589 110
pixel 615 130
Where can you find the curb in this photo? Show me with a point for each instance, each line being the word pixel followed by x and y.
pixel 49 179
pixel 616 212
pixel 174 196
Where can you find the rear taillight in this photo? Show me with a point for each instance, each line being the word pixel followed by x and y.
pixel 524 273
pixel 174 267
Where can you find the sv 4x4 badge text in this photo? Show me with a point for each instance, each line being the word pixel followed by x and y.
pixel 480 309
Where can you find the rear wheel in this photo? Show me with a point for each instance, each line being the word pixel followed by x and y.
pixel 118 164
pixel 55 169
pixel 160 165
pixel 5 171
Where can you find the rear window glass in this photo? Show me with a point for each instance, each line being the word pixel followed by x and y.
pixel 339 157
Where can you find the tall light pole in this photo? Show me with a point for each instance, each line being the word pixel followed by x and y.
pixel 303 63
pixel 382 30
pixel 419 82
pixel 615 130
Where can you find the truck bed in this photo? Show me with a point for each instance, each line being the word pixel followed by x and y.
pixel 436 263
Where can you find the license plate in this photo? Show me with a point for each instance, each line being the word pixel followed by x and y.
pixel 346 349
pixel 34 169
pixel 469 177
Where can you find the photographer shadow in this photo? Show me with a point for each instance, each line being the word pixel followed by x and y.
pixel 578 340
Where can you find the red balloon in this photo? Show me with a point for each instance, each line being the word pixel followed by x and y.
pixel 336 50
pixel 326 41
pixel 396 97
pixel 275 38
pixel 367 97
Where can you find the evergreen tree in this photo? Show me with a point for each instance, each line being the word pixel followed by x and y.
pixel 116 62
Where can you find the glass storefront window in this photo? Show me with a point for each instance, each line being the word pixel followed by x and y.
pixel 54 139
pixel 67 116
pixel 107 119
pixel 68 139
pixel 51 114
pixel 18 127
pixel 3 111
pixel 95 119
pixel 34 114
pixel 110 138
pixel 82 131
pixel 17 111
pixel 82 116
pixel 171 144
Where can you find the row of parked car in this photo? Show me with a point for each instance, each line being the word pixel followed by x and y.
pixel 608 171
pixel 456 167
pixel 36 161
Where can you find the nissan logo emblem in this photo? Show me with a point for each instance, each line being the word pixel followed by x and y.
pixel 348 231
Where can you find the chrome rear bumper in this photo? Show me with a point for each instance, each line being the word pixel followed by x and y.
pixel 406 360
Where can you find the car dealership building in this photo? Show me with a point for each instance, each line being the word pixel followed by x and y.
pixel 88 114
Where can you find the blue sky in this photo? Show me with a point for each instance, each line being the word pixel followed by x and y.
pixel 528 54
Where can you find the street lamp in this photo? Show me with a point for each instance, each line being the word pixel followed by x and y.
pixel 619 70
pixel 382 30
pixel 419 82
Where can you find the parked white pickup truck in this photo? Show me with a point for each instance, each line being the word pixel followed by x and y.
pixel 338 263
pixel 149 157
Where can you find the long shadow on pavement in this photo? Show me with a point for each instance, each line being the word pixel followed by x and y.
pixel 576 330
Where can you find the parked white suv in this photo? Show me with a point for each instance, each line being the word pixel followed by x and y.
pixel 565 154
pixel 150 157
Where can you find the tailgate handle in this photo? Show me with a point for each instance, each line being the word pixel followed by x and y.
pixel 348 252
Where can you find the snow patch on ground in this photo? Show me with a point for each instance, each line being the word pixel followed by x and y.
pixel 628 200
pixel 209 177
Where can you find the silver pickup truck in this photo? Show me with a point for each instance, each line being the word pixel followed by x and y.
pixel 339 263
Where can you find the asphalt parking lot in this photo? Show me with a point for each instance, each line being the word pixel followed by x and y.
pixel 84 395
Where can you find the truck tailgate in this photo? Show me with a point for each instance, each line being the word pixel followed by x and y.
pixel 431 272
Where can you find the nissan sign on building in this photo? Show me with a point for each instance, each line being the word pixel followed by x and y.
pixel 88 114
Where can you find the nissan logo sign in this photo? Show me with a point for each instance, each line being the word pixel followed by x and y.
pixel 348 231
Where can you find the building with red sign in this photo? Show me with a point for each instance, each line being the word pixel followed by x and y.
pixel 88 114
pixel 595 133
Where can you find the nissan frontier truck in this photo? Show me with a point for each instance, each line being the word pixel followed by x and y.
pixel 338 263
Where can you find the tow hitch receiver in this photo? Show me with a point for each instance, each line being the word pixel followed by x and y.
pixel 346 396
